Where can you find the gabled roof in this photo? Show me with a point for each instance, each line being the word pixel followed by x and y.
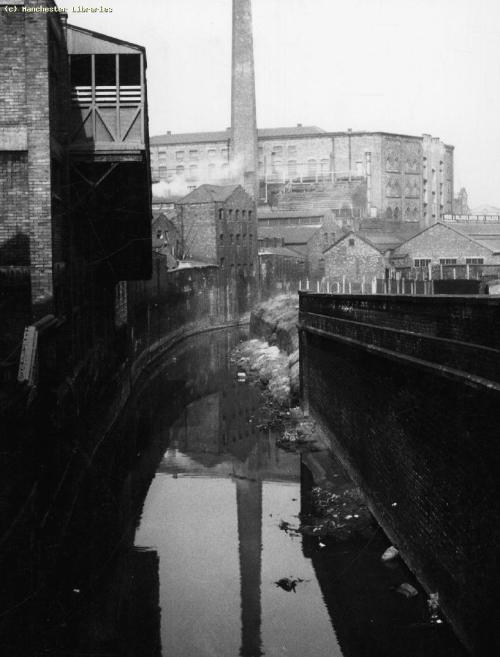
pixel 291 234
pixel 83 41
pixel 483 243
pixel 479 230
pixel 381 240
pixel 352 233
pixel 209 194
pixel 224 135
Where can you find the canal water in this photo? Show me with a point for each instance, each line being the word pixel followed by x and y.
pixel 183 541
pixel 214 529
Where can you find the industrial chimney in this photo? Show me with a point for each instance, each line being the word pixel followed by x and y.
pixel 243 152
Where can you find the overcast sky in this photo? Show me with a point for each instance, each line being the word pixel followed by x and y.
pixel 409 66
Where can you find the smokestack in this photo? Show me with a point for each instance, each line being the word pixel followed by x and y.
pixel 243 153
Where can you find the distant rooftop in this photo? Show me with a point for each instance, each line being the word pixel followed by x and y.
pixel 224 135
pixel 209 194
pixel 291 214
pixel 291 234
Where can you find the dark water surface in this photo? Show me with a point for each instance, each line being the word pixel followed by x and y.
pixel 178 541
pixel 212 518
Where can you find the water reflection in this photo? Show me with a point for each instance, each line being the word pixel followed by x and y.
pixel 176 542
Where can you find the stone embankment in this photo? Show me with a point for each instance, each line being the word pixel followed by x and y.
pixel 275 322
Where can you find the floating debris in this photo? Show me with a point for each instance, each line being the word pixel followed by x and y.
pixel 407 590
pixel 390 554
pixel 433 604
pixel 288 584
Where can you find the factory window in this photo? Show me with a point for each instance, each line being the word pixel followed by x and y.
pixel 325 166
pixel 193 155
pixel 81 70
pixel 422 262
pixel 278 151
pixel 224 152
pixel 211 153
pixel 193 172
pixel 163 173
pixel 105 70
pixel 447 261
pixel 211 171
pixel 311 167
pixel 292 151
pixel 292 168
pixel 179 156
pixel 474 261
pixel 130 70
pixel 225 169
pixel 276 166
pixel 179 170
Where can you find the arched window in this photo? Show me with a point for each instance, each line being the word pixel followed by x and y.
pixel 388 213
pixel 396 213
pixel 179 170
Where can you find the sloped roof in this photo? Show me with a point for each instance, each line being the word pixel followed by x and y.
pixel 359 236
pixel 281 251
pixel 382 240
pixel 291 234
pixel 209 194
pixel 456 228
pixel 291 214
pixel 476 229
pixel 225 135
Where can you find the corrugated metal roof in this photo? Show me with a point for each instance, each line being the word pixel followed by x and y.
pixel 209 194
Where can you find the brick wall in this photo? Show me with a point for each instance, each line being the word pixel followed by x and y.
pixel 419 439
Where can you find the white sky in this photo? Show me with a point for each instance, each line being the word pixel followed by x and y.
pixel 409 66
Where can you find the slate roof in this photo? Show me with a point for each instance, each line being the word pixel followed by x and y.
pixel 354 234
pixel 209 194
pixel 225 135
pixel 291 234
pixel 280 251
pixel 290 214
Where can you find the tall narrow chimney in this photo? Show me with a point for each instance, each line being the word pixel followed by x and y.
pixel 243 151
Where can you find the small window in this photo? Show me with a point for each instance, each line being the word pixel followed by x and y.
pixel 351 242
pixel 238 238
pixel 179 170
pixel 224 152
pixel 179 156
pixel 193 155
pixel 222 260
pixel 244 215
pixel 250 215
pixel 292 151
pixel 230 214
pixel 221 214
pixel 447 261
pixel 231 238
pixel 211 153
pixel 474 261
pixel 236 215
pixel 422 262
pixel 221 238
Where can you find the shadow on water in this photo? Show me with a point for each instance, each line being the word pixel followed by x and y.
pixel 179 542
